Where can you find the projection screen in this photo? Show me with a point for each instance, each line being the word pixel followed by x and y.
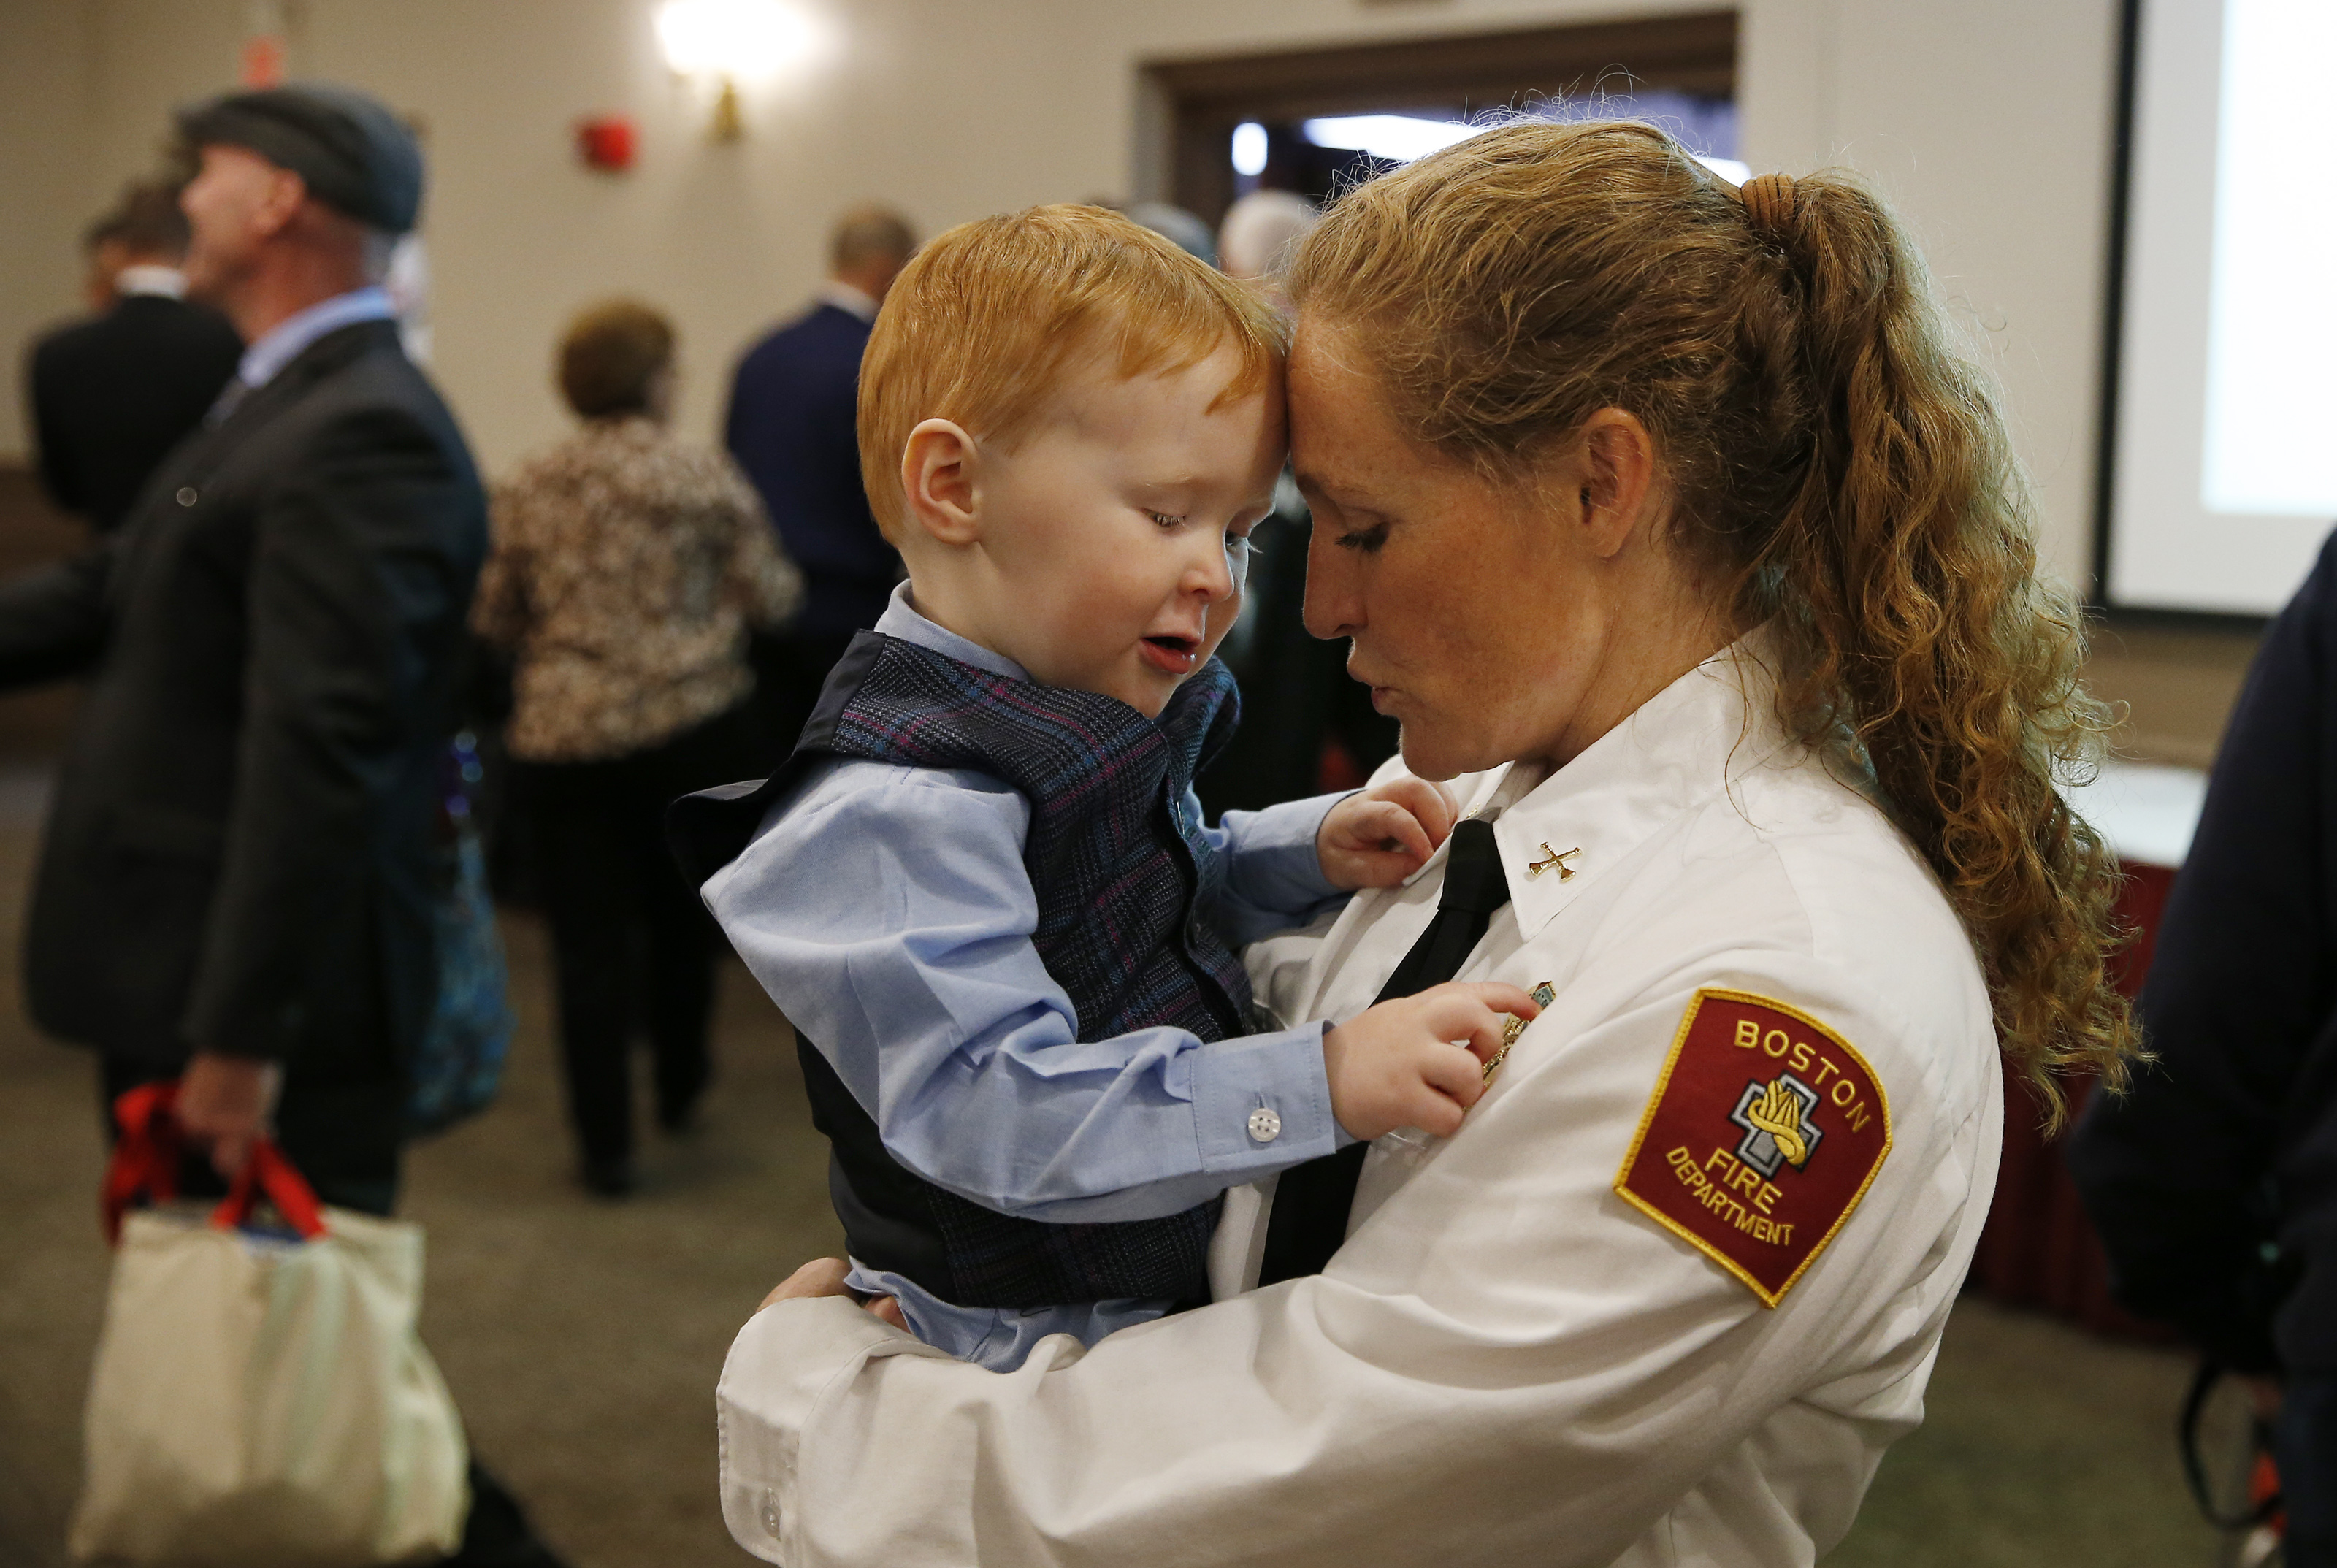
pixel 2223 400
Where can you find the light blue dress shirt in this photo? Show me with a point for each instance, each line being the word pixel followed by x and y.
pixel 282 343
pixel 887 910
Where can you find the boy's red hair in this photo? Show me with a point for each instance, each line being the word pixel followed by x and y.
pixel 983 324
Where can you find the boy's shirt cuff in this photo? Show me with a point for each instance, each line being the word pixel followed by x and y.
pixel 1274 873
pixel 1000 1338
pixel 1262 1103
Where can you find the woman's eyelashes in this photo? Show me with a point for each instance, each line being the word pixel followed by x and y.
pixel 1366 541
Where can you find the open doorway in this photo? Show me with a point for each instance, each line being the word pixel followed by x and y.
pixel 1310 120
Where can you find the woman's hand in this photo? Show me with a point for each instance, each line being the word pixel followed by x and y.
pixel 825 1276
pixel 1381 836
pixel 1398 1064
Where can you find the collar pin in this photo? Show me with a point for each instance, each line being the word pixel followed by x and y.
pixel 1555 860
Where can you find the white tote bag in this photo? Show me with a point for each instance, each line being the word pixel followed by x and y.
pixel 265 1399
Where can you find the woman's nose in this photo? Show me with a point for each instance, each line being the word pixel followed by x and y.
pixel 1333 606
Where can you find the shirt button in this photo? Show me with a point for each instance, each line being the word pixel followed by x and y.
pixel 771 1519
pixel 187 497
pixel 1264 1124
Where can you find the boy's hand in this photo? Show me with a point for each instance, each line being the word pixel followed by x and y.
pixel 1396 1065
pixel 1379 838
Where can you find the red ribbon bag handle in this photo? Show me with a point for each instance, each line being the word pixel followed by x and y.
pixel 145 1163
pixel 145 1157
pixel 266 1172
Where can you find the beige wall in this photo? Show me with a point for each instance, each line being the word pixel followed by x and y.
pixel 45 78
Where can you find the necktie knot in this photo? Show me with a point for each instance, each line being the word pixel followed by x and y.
pixel 1473 881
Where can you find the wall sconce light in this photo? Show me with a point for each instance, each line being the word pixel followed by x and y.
pixel 726 42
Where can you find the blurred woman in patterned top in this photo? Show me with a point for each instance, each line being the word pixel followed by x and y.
pixel 625 571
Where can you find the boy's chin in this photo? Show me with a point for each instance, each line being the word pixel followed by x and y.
pixel 1145 691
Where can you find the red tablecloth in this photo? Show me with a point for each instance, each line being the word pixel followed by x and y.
pixel 2039 1249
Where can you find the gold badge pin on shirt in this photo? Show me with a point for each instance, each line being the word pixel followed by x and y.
pixel 1554 860
pixel 1543 995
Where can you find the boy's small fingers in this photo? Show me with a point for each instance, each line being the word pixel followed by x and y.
pixel 1483 1029
pixel 1444 810
pixel 1430 805
pixel 1438 1116
pixel 1398 831
pixel 1499 997
pixel 1477 1012
pixel 1459 1074
pixel 1485 1035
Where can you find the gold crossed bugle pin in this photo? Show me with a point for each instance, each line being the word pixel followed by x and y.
pixel 1555 860
pixel 1543 995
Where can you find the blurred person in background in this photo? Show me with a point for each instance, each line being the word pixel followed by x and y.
pixel 111 396
pixel 1258 235
pixel 1295 694
pixel 625 571
pixel 1181 229
pixel 235 888
pixel 2213 1181
pixel 791 426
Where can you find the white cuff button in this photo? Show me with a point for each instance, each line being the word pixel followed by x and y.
pixel 1264 1124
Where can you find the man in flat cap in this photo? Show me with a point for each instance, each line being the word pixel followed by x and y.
pixel 235 884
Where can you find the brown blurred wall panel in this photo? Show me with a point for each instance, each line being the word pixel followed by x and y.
pixel 34 723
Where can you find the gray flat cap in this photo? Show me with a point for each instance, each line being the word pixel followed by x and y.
pixel 355 154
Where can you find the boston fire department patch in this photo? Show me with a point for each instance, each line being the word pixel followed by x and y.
pixel 1764 1131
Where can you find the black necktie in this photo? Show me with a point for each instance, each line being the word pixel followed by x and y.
pixel 1311 1201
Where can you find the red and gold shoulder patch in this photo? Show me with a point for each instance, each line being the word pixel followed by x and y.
pixel 1766 1129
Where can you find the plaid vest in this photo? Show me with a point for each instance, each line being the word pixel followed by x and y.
pixel 1120 869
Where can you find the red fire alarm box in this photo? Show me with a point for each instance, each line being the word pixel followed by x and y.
pixel 607 141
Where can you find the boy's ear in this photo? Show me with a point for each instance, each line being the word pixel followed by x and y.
pixel 938 469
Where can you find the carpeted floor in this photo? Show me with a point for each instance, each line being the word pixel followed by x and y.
pixel 583 1339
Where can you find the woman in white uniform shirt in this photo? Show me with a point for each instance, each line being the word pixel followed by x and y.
pixel 1664 519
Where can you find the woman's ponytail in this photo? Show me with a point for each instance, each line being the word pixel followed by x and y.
pixel 1903 573
pixel 1833 458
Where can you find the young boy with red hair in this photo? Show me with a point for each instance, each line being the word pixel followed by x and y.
pixel 981 887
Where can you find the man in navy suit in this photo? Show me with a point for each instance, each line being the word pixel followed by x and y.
pixel 111 396
pixel 791 426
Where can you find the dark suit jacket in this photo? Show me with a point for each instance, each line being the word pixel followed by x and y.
pixel 111 397
pixel 238 856
pixel 793 427
pixel 2229 1141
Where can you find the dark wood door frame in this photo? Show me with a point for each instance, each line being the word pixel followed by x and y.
pixel 1206 97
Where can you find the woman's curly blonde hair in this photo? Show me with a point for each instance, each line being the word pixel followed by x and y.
pixel 1834 461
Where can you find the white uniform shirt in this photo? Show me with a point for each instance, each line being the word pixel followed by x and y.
pixel 1508 1362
